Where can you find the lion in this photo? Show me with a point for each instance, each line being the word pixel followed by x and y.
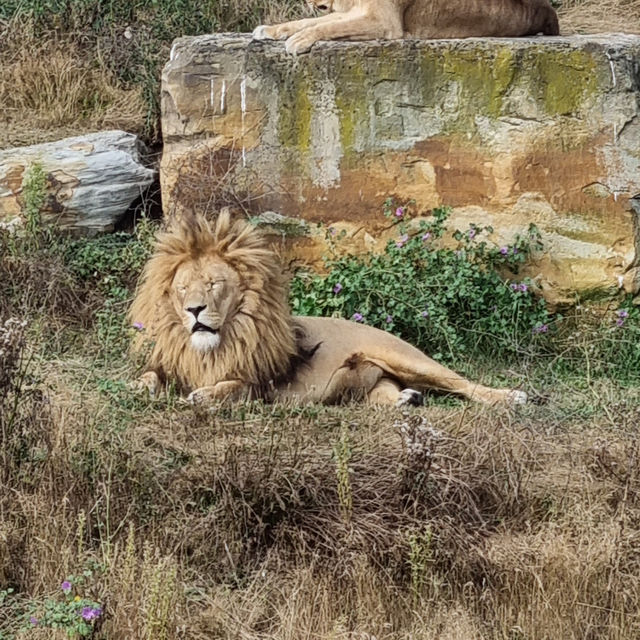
pixel 212 305
pixel 395 19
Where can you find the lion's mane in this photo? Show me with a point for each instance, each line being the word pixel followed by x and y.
pixel 258 345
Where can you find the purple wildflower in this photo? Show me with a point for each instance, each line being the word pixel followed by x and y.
pixel 514 286
pixel 66 586
pixel 402 240
pixel 89 613
pixel 523 287
pixel 620 322
pixel 472 233
pixel 34 621
pixel 425 314
pixel 399 212
pixel 389 319
pixel 543 328
pixel 337 288
pixel 357 317
pixel 623 313
pixel 426 236
pixel 138 326
pixel 333 231
pixel 504 250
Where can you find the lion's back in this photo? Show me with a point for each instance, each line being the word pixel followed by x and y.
pixel 478 18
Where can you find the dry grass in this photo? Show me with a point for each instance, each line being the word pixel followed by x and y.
pixel 600 16
pixel 275 522
pixel 50 88
pixel 259 522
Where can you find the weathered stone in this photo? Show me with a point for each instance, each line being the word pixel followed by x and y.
pixel 91 180
pixel 505 131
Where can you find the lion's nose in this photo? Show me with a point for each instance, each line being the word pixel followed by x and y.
pixel 196 310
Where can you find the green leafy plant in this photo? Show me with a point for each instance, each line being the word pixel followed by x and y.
pixel 74 614
pixel 445 299
pixel 420 559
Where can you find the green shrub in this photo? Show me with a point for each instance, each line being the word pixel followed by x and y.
pixel 446 300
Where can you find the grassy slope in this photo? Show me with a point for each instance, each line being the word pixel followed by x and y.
pixel 272 522
pixel 252 521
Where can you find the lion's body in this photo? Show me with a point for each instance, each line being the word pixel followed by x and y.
pixel 393 19
pixel 212 301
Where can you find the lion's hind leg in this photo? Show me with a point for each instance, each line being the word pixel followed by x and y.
pixel 403 362
pixel 429 374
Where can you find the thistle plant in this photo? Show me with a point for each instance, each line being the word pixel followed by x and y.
pixel 342 453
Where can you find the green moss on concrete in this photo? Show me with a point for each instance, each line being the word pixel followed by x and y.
pixel 565 79
pixel 294 124
pixel 502 75
pixel 483 78
pixel 351 102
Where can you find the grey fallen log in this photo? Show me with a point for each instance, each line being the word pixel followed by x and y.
pixel 91 180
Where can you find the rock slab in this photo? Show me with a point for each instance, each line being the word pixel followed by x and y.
pixel 504 131
pixel 91 180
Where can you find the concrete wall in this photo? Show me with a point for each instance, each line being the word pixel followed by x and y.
pixel 505 131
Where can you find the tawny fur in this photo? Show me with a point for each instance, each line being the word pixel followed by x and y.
pixel 393 19
pixel 259 349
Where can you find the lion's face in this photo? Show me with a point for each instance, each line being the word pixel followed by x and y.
pixel 206 294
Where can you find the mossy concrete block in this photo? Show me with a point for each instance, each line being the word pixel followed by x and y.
pixel 506 131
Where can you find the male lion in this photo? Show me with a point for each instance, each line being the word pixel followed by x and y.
pixel 394 19
pixel 212 302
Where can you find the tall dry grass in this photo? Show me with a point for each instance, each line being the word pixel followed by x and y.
pixel 599 16
pixel 281 522
pixel 467 523
pixel 49 89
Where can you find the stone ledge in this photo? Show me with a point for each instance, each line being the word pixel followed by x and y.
pixel 506 131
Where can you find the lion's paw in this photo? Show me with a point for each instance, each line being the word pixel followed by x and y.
pixel 299 42
pixel 263 32
pixel 409 398
pixel 148 382
pixel 516 396
pixel 200 396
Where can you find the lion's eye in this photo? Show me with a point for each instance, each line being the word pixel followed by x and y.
pixel 214 286
pixel 181 289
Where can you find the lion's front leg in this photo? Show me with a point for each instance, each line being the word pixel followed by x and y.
pixel 286 29
pixel 354 26
pixel 224 390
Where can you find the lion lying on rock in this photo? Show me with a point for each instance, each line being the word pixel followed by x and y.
pixel 212 302
pixel 394 19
